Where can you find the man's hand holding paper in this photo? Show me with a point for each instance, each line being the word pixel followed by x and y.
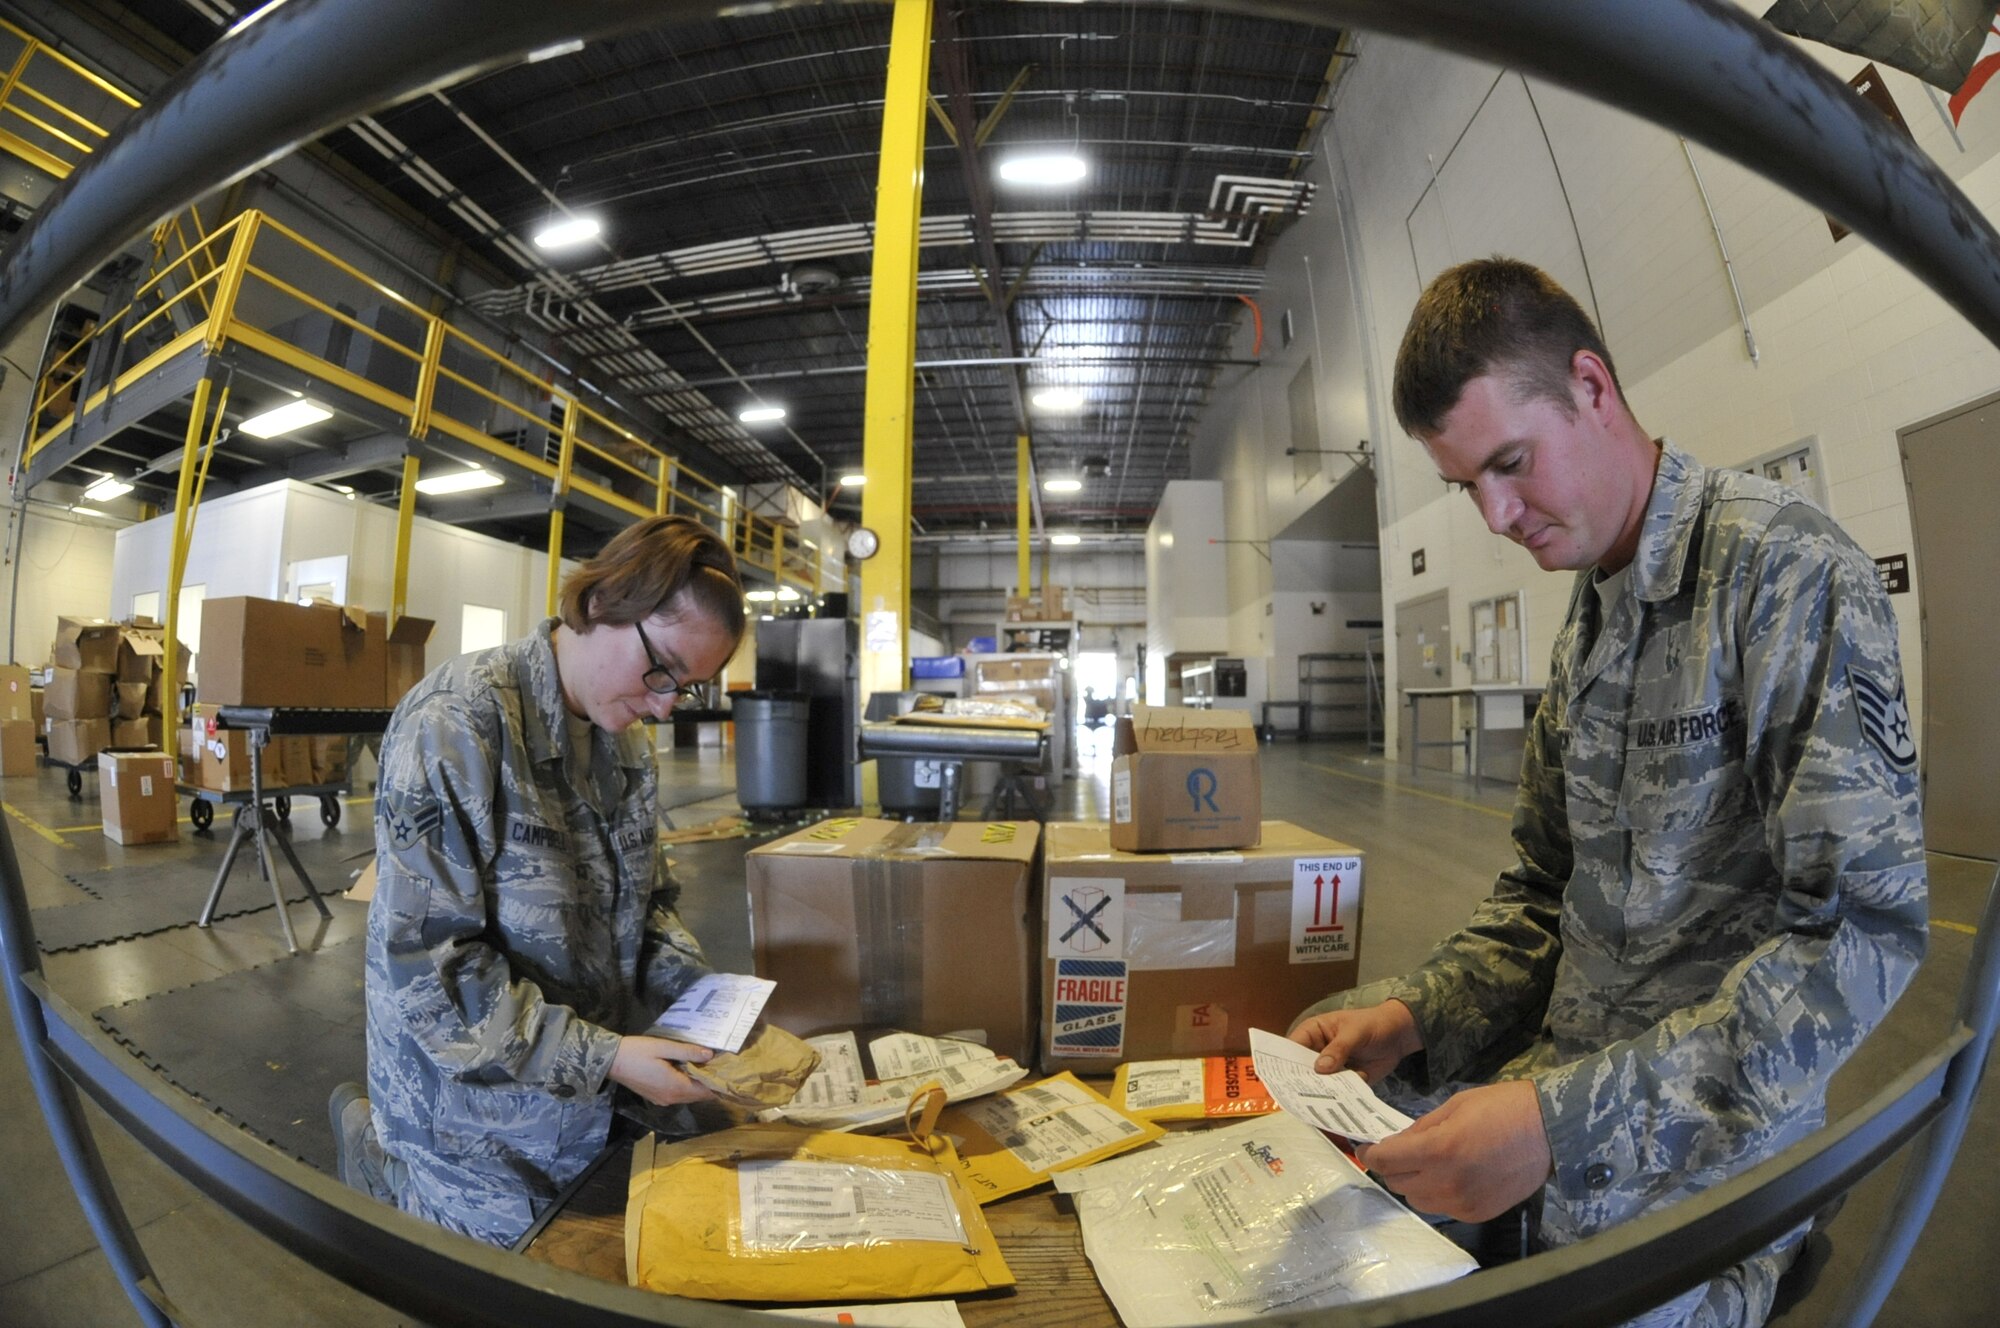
pixel 1476 1156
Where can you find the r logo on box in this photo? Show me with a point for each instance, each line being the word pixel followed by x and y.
pixel 1201 785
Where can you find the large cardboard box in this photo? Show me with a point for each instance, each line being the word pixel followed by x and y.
pixel 1185 779
pixel 1159 955
pixel 89 645
pixel 264 652
pixel 136 790
pixel 223 755
pixel 141 653
pixel 77 741
pixel 881 924
pixel 18 754
pixel 76 695
pixel 16 694
pixel 329 759
pixel 129 697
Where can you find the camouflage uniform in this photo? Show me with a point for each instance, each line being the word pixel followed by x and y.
pixel 523 920
pixel 1721 881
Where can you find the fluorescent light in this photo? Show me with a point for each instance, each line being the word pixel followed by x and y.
pixel 347 489
pixel 568 233
pixel 760 596
pixel 570 47
pixel 1066 539
pixel 1061 486
pixel 459 481
pixel 106 489
pixel 1044 168
pixel 787 594
pixel 761 414
pixel 1058 398
pixel 852 481
pixel 91 511
pixel 283 419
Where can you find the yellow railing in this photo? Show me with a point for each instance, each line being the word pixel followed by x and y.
pixel 40 119
pixel 256 283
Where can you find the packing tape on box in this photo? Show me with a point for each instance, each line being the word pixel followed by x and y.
pixel 889 925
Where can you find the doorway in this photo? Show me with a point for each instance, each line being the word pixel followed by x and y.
pixel 1423 659
pixel 1952 468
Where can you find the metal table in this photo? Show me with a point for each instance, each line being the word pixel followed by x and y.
pixel 255 820
pixel 1486 697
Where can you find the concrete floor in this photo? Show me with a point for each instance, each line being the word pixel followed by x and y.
pixel 1433 842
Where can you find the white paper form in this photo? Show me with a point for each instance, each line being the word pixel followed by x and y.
pixel 906 1314
pixel 821 1205
pixel 1342 1103
pixel 902 1055
pixel 1264 1216
pixel 717 1011
pixel 837 1080
pixel 963 1069
pixel 1049 1124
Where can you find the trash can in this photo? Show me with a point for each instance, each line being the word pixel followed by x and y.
pixel 770 749
pixel 905 786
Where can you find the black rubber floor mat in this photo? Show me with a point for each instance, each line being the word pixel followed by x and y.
pixel 135 900
pixel 264 1047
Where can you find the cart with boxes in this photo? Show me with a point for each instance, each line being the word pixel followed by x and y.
pixel 104 693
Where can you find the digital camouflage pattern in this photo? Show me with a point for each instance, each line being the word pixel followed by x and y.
pixel 1721 885
pixel 523 920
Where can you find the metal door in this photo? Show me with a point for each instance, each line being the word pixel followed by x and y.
pixel 1423 659
pixel 1952 467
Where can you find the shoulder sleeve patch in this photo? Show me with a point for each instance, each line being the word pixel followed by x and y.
pixel 1885 719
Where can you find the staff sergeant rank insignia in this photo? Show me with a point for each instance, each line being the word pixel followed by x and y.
pixel 1885 719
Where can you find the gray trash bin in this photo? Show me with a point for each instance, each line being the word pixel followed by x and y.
pixel 770 749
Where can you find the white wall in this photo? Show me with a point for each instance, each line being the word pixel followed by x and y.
pixel 1434 159
pixel 64 571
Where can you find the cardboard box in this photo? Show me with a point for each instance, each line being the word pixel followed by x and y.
pixel 136 790
pixel 288 762
pixel 78 741
pixel 39 712
pixel 76 695
pixel 18 753
pixel 263 652
pixel 88 645
pixel 928 928
pixel 402 653
pixel 141 653
pixel 16 694
pixel 1185 779
pixel 222 755
pixel 133 733
pixel 329 760
pixel 1165 955
pixel 129 698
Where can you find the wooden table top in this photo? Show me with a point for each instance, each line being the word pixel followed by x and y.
pixel 1042 1245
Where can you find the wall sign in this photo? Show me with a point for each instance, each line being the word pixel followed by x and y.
pixel 1895 573
pixel 1417 563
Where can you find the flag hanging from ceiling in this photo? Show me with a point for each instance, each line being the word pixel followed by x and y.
pixel 1984 68
pixel 1938 41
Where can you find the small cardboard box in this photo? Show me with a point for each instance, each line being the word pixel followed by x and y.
pixel 137 793
pixel 18 754
pixel 329 759
pixel 402 653
pixel 263 652
pixel 72 694
pixel 1174 955
pixel 40 712
pixel 927 928
pixel 77 741
pixel 1185 779
pixel 16 693
pixel 140 655
pixel 223 756
pixel 89 645
pixel 288 762
pixel 141 732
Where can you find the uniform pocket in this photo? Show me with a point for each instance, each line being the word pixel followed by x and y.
pixel 500 1120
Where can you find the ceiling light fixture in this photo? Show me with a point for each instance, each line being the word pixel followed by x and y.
pixel 760 596
pixel 91 511
pixel 568 232
pixel 852 481
pixel 106 489
pixel 1058 399
pixel 283 419
pixel 1044 168
pixel 1066 539
pixel 761 414
pixel 1062 485
pixel 459 481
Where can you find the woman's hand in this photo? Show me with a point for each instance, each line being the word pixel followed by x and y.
pixel 651 1067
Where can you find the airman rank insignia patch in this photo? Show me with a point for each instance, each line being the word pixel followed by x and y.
pixel 1885 719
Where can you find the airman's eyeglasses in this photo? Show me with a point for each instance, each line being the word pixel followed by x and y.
pixel 660 679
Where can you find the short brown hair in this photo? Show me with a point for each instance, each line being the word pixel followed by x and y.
pixel 1492 315
pixel 645 567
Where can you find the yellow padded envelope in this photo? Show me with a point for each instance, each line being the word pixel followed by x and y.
pixel 776 1212
pixel 1014 1140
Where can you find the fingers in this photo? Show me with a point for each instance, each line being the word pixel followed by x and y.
pixel 670 1049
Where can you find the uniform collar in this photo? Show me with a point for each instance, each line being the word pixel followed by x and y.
pixel 1668 531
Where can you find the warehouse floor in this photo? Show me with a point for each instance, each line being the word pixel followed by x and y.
pixel 257 1032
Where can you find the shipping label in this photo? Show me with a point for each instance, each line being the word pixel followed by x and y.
pixel 1087 1016
pixel 1326 909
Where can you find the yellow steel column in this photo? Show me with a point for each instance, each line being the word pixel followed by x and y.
pixel 406 511
pixel 187 498
pixel 567 458
pixel 892 353
pixel 1024 476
